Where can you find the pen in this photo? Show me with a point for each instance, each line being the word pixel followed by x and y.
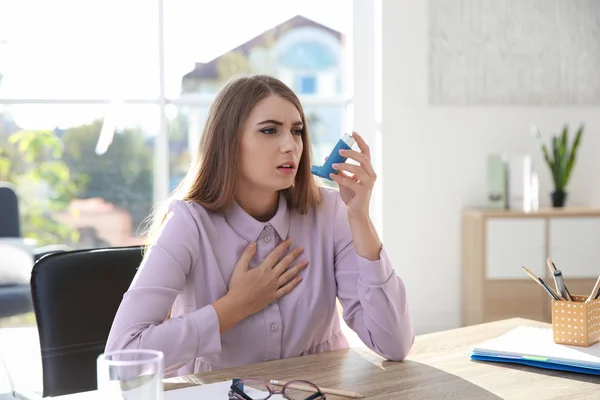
pixel 551 265
pixel 559 283
pixel 561 287
pixel 541 283
pixel 335 392
pixel 596 289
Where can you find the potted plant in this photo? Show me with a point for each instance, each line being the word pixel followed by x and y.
pixel 560 159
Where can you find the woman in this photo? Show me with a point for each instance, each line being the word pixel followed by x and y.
pixel 249 254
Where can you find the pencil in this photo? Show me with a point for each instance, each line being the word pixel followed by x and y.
pixel 541 283
pixel 336 392
pixel 551 265
pixel 594 291
pixel 559 282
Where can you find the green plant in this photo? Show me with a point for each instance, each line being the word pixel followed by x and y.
pixel 562 156
pixel 32 161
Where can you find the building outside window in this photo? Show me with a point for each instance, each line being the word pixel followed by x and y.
pixel 97 126
pixel 307 85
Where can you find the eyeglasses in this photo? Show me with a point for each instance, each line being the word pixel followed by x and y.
pixel 257 389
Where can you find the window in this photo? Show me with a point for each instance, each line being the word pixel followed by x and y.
pixel 307 85
pixel 121 90
pixel 98 49
pixel 79 183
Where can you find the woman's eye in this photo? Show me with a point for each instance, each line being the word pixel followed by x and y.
pixel 268 131
pixel 298 132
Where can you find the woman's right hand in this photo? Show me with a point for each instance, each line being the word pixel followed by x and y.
pixel 251 290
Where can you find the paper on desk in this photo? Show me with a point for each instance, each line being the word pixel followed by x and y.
pixel 215 391
pixel 529 341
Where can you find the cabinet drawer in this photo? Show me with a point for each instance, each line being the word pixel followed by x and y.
pixel 512 243
pixel 575 246
pixel 515 298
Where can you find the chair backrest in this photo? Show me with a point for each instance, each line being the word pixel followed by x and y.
pixel 76 295
pixel 10 225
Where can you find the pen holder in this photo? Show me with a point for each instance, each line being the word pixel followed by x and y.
pixel 575 322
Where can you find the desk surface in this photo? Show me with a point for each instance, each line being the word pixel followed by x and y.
pixel 438 367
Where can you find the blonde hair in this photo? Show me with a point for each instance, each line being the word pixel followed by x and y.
pixel 210 180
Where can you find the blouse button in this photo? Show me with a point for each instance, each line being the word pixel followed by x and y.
pixel 267 238
pixel 274 328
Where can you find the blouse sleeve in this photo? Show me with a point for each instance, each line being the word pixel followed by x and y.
pixel 141 320
pixel 373 297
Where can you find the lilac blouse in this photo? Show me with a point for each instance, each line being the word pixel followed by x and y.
pixel 191 262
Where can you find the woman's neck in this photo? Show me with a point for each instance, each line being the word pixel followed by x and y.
pixel 261 206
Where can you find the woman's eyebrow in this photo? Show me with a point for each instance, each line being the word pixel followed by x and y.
pixel 279 123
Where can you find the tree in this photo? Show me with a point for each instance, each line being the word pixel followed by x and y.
pixel 31 160
pixel 121 176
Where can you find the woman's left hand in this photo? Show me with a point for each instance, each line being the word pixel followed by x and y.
pixel 356 181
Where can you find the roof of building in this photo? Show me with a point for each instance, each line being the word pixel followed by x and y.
pixel 209 70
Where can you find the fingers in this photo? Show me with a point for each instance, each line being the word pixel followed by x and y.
pixel 247 255
pixel 361 158
pixel 276 254
pixel 282 291
pixel 362 145
pixel 357 170
pixel 290 273
pixel 343 180
pixel 287 260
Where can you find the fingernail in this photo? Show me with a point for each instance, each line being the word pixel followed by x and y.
pixel 342 151
pixel 251 245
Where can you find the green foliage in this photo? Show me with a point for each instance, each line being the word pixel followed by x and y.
pixel 51 170
pixel 121 176
pixel 561 158
pixel 31 160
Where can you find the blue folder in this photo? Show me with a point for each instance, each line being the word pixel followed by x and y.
pixel 538 364
pixel 535 347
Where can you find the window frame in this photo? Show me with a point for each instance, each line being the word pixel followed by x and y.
pixel 360 96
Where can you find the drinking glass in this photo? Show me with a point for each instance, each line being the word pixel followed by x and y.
pixel 131 375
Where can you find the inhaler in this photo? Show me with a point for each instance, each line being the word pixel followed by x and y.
pixel 346 142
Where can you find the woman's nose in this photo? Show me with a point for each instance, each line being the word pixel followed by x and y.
pixel 289 143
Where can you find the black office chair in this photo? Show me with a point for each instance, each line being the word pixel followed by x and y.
pixel 10 222
pixel 76 295
pixel 16 298
pixel 9 211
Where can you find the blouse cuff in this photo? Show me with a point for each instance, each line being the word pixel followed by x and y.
pixel 209 336
pixel 375 273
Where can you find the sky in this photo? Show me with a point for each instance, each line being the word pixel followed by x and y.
pixel 109 48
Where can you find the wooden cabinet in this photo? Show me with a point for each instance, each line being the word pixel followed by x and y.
pixel 495 244
pixel 513 242
pixel 574 243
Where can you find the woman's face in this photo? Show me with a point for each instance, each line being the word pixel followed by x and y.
pixel 271 145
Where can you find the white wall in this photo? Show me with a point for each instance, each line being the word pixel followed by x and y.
pixel 434 165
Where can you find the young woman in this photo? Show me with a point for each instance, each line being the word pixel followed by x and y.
pixel 248 256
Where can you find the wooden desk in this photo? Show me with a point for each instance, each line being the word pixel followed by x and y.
pixel 438 367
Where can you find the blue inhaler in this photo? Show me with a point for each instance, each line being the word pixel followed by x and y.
pixel 346 142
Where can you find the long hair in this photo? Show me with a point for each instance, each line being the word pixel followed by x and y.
pixel 211 178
